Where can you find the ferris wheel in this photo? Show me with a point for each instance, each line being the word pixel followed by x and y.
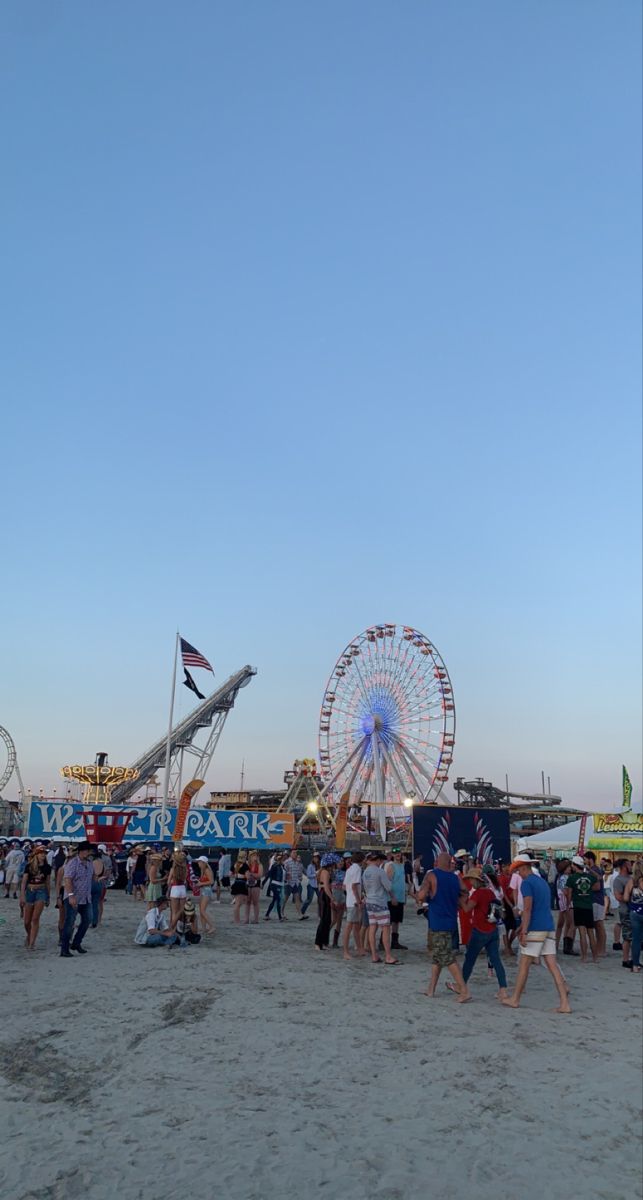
pixel 9 761
pixel 387 725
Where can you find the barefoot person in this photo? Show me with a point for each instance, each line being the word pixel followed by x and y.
pixel 445 895
pixel 536 934
pixel 34 893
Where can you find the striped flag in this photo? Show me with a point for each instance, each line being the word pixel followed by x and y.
pixel 192 657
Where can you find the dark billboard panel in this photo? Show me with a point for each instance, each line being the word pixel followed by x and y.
pixel 482 832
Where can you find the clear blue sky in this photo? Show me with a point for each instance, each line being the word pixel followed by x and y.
pixel 317 315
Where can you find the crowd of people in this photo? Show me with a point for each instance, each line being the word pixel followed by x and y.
pixel 523 908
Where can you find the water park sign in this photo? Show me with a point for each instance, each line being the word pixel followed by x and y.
pixel 245 829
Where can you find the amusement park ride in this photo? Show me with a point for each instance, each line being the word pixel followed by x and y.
pixel 210 715
pixel 386 733
pixel 10 813
pixel 386 740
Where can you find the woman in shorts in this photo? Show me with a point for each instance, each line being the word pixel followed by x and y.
pixel 254 879
pixel 34 893
pixel 177 887
pixel 206 889
pixel 239 891
pixel 154 889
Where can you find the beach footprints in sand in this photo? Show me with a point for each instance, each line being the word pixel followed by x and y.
pixel 68 1185
pixel 186 1010
pixel 51 1077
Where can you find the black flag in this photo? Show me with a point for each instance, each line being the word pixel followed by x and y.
pixel 188 682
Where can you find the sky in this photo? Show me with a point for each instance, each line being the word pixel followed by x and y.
pixel 316 316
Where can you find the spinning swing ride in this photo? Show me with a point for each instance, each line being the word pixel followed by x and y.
pixel 387 725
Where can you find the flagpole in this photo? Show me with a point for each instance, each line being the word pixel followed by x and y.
pixel 166 780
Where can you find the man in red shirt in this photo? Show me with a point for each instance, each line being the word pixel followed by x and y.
pixel 484 909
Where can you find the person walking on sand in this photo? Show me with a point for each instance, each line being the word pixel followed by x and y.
pixel 275 887
pixel 354 905
pixel 78 873
pixel 580 890
pixel 311 880
pixel 293 875
pixel 536 935
pixel 377 893
pixel 12 870
pixel 445 894
pixel 34 893
pixel 485 906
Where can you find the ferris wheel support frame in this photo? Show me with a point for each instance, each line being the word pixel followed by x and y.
pixel 379 787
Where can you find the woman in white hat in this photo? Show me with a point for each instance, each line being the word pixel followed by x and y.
pixel 206 887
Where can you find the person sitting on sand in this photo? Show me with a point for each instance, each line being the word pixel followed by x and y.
pixel 154 928
pixel 536 934
pixel 445 895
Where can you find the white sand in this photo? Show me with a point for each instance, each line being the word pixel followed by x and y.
pixel 249 1067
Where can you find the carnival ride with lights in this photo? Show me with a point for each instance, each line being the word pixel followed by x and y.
pixel 99 778
pixel 387 726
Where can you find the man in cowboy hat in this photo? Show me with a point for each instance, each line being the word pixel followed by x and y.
pixel 536 935
pixel 78 874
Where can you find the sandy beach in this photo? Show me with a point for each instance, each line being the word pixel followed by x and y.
pixel 250 1067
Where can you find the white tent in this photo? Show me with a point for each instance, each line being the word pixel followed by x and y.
pixel 563 837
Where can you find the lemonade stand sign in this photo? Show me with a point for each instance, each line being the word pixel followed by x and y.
pixel 617 832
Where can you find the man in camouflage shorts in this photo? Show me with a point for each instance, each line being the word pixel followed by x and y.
pixel 446 895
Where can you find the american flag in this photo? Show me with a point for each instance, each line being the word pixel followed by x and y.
pixel 192 657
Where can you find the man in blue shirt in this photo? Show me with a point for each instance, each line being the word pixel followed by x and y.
pixel 446 895
pixel 536 935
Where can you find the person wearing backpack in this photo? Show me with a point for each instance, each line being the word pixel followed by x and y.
pixel 486 913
